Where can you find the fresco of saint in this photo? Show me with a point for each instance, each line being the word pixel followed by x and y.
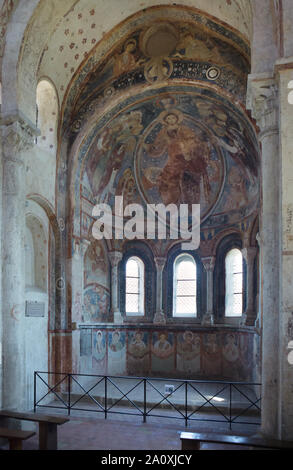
pixel 185 173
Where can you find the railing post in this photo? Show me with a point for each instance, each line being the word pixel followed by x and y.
pixel 69 393
pixel 106 404
pixel 144 400
pixel 230 415
pixel 186 400
pixel 35 391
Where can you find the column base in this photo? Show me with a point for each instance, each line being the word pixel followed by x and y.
pixel 117 317
pixel 248 319
pixel 207 319
pixel 159 318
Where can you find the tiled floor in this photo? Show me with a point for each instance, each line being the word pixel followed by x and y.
pixel 90 431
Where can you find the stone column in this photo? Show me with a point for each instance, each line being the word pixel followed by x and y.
pixel 249 316
pixel 265 108
pixel 17 138
pixel 284 71
pixel 209 265
pixel 115 257
pixel 160 317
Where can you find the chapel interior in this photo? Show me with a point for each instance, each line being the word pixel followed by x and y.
pixel 147 103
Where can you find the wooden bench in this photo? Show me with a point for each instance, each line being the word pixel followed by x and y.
pixel 47 426
pixel 192 441
pixel 15 437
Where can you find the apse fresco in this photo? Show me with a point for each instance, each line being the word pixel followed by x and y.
pixel 138 358
pixel 179 148
pixel 117 353
pixel 96 303
pixel 96 264
pixel 162 349
pixel 99 352
pixel 164 50
pixel 176 163
pixel 188 354
pixel 211 354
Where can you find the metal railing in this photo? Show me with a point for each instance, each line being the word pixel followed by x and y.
pixel 189 400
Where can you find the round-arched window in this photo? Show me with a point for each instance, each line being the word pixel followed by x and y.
pixel 184 286
pixel 134 293
pixel 234 283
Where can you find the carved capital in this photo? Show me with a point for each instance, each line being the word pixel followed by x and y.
pixel 115 257
pixel 209 263
pixel 17 137
pixel 264 104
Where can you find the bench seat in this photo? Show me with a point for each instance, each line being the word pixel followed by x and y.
pixel 15 437
pixel 192 441
pixel 47 426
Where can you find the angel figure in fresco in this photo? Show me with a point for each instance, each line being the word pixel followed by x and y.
pixel 185 173
pixel 123 135
pixel 127 188
pixel 230 136
pixel 238 189
pixel 96 256
pixel 125 61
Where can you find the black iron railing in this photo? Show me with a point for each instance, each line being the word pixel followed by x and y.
pixel 189 400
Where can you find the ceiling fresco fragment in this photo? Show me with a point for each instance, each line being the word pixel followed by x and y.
pixel 185 46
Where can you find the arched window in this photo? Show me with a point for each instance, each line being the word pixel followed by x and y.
pixel 47 116
pixel 234 283
pixel 184 287
pixel 134 293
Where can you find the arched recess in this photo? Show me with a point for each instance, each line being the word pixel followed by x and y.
pixel 142 251
pixel 57 343
pixel 36 254
pixel 37 269
pixel 168 284
pixel 47 116
pixel 227 243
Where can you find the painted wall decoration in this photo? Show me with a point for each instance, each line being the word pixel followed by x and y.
pixel 176 163
pixel 211 354
pixel 162 352
pixel 188 353
pixel 138 360
pixel 163 50
pixel 96 265
pixel 225 354
pixel 96 303
pixel 175 148
pixel 117 352
pixel 99 351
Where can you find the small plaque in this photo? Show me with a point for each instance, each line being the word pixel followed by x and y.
pixel 34 309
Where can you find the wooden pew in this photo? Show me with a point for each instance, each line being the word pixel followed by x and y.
pixel 15 437
pixel 192 441
pixel 47 426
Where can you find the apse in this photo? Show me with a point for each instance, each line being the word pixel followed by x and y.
pixel 156 115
